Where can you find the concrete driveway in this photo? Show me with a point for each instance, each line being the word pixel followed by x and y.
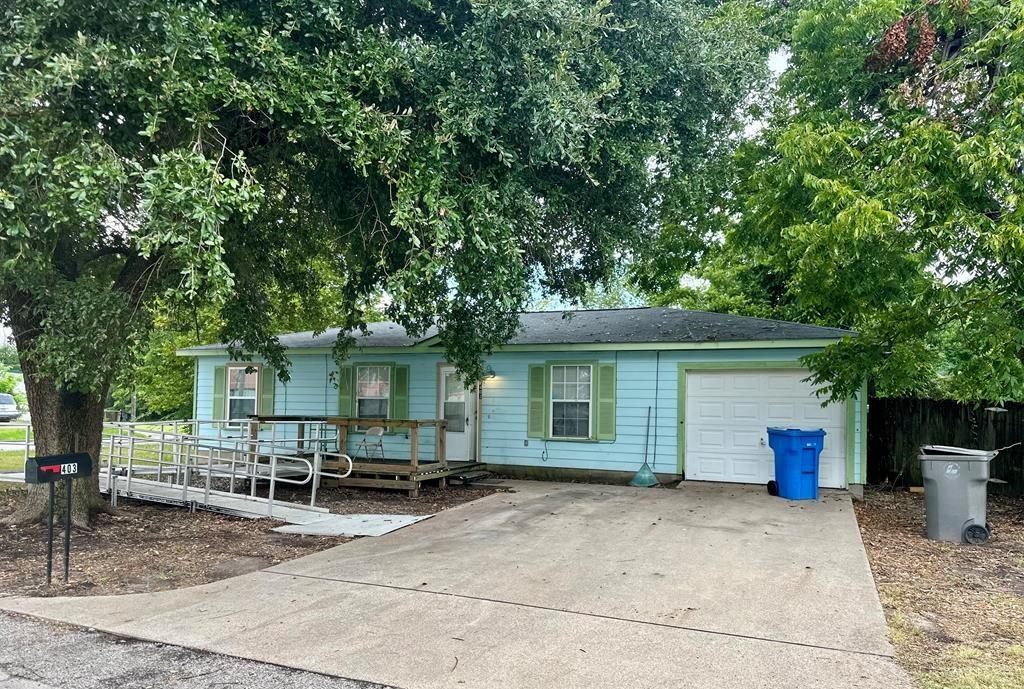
pixel 555 585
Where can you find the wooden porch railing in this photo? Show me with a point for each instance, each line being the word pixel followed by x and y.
pixel 413 425
pixel 389 473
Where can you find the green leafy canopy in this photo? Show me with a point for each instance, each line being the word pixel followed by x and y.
pixel 884 195
pixel 446 154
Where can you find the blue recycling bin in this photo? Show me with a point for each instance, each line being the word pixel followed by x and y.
pixel 797 452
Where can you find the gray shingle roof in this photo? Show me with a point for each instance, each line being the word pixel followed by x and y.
pixel 381 334
pixel 650 325
pixel 600 326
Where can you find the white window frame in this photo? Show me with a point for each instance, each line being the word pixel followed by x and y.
pixel 227 389
pixel 552 400
pixel 390 369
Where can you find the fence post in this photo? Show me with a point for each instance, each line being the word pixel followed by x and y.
pixel 185 474
pixel 111 476
pixel 209 475
pixel 160 457
pixel 273 478
pixel 131 457
pixel 316 478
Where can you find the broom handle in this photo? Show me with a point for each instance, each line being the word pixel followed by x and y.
pixel 647 434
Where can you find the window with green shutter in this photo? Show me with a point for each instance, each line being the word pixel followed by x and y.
pixel 220 385
pixel 268 382
pixel 399 392
pixel 571 400
pixel 536 415
pixel 346 396
pixel 604 424
pixel 374 391
pixel 571 406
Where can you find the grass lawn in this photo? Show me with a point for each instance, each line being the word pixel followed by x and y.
pixel 12 433
pixel 955 612
pixel 12 460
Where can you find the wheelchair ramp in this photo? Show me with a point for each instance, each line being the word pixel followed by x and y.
pixel 217 466
pixel 234 505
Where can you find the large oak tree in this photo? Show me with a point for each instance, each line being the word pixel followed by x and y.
pixel 225 152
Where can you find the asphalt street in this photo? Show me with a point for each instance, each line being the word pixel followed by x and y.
pixel 41 655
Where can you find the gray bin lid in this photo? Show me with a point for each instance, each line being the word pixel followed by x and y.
pixel 962 454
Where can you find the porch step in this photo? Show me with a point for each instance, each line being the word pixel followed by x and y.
pixel 468 477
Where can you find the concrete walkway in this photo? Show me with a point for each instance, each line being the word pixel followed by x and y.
pixel 554 585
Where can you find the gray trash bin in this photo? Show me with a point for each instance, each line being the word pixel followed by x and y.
pixel 955 492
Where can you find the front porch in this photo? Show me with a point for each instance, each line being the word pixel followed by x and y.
pixel 400 466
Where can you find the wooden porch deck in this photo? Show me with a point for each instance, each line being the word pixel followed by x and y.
pixel 390 473
pixel 396 474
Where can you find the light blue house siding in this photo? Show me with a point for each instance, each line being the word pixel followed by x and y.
pixel 312 391
pixel 644 378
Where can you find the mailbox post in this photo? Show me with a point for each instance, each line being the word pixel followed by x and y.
pixel 50 470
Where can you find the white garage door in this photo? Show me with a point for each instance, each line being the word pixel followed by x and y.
pixel 727 416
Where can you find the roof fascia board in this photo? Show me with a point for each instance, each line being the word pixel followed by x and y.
pixel 312 350
pixel 579 347
pixel 666 346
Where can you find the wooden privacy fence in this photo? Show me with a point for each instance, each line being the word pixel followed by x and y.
pixel 898 426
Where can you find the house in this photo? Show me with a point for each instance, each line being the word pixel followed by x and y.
pixel 569 395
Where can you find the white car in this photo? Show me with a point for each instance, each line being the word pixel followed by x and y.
pixel 8 408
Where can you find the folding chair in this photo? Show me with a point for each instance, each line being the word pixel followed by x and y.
pixel 372 444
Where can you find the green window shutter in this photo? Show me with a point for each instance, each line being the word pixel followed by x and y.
pixel 220 385
pixel 604 423
pixel 536 414
pixel 399 392
pixel 268 381
pixel 346 392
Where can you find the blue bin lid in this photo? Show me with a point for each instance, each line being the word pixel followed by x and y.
pixel 796 432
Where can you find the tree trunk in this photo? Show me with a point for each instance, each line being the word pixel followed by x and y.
pixel 63 422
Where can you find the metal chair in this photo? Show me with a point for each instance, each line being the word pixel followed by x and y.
pixel 372 444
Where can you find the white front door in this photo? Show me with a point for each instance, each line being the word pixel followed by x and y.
pixel 456 404
pixel 728 413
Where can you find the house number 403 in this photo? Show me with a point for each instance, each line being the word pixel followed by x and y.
pixel 69 468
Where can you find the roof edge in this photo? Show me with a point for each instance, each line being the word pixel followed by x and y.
pixel 801 343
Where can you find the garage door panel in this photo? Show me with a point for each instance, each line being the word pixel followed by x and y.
pixel 780 383
pixel 712 438
pixel 712 467
pixel 813 411
pixel 780 412
pixel 745 383
pixel 711 384
pixel 711 411
pixel 744 411
pixel 728 413
pixel 747 470
pixel 746 439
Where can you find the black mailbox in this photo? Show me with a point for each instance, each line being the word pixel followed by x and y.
pixel 51 469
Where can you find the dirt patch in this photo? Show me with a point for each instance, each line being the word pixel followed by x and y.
pixel 149 547
pixel 955 612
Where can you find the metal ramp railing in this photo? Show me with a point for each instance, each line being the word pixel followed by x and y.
pixel 218 465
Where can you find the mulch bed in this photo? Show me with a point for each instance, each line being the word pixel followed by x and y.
pixel 364 501
pixel 149 547
pixel 955 612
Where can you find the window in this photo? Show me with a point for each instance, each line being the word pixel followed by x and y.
pixel 243 382
pixel 454 402
pixel 373 391
pixel 570 401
